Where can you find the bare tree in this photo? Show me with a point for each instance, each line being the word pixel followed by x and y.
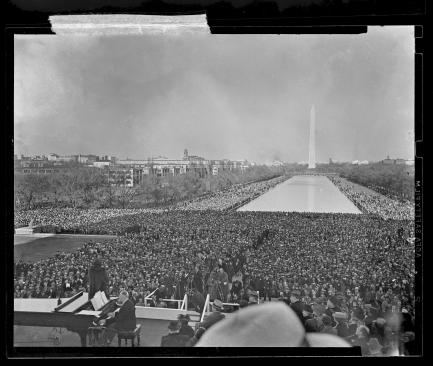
pixel 30 187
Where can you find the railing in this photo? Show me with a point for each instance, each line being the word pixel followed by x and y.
pixel 173 300
pixel 184 303
pixel 180 303
pixel 148 297
pixel 205 308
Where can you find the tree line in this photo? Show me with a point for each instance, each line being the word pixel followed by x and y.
pixel 392 180
pixel 82 187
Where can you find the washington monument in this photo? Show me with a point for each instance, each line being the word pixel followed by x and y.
pixel 312 149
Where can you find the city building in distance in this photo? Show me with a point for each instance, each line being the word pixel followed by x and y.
pixel 130 172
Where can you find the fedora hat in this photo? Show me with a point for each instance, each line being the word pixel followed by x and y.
pixel 218 305
pixel 173 325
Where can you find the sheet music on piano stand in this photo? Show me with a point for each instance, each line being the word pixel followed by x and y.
pixel 99 300
pixel 104 298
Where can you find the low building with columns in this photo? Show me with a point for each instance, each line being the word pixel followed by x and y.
pixel 162 166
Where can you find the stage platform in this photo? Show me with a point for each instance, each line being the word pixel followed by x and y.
pixel 154 324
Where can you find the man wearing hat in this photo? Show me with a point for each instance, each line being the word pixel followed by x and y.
pixel 122 320
pixel 174 338
pixel 185 328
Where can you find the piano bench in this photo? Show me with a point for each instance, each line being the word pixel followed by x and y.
pixel 130 334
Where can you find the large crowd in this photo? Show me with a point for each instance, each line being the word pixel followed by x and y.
pixel 72 219
pixel 116 221
pixel 359 265
pixel 365 259
pixel 231 197
pixel 371 202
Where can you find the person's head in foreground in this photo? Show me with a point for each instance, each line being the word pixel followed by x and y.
pixel 173 326
pixel 272 324
pixel 183 319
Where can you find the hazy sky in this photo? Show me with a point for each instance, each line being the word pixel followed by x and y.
pixel 220 96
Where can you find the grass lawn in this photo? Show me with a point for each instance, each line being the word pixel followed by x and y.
pixel 31 248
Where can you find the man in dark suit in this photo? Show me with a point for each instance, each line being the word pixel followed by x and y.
pixel 197 300
pixel 174 338
pixel 161 293
pixel 198 280
pixel 122 320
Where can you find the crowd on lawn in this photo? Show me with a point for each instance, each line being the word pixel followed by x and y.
pixel 231 197
pixel 358 262
pixel 369 201
pixel 73 219
pixel 345 274
pixel 94 221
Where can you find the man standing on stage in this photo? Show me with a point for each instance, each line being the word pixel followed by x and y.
pixel 223 281
pixel 198 280
pixel 213 284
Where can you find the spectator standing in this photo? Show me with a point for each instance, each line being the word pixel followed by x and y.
pixel 185 328
pixel 98 279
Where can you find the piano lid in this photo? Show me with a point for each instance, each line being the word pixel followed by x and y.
pixel 69 305
pixel 36 305
pixel 74 305
pixel 89 312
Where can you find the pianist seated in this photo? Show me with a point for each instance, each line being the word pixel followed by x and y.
pixel 122 319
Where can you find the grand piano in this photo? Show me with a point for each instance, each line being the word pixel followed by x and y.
pixel 75 314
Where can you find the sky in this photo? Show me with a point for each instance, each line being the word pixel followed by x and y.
pixel 219 96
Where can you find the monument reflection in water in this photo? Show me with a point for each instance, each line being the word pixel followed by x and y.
pixel 303 193
pixel 312 145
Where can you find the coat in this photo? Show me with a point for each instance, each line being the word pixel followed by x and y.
pixel 174 340
pixel 198 300
pixel 198 281
pixel 221 286
pixel 186 330
pixel 125 318
pixel 98 280
pixel 212 286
